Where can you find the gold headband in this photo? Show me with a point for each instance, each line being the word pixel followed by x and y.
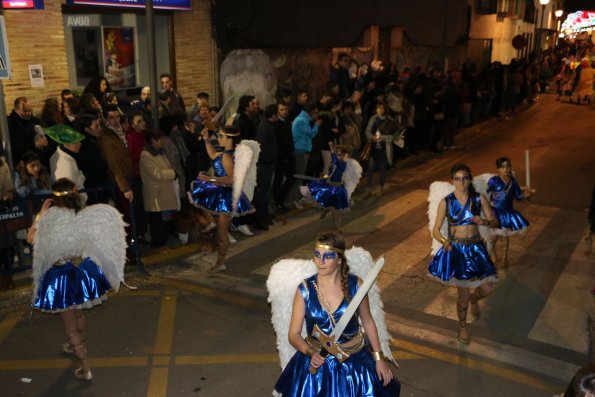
pixel 329 247
pixel 63 192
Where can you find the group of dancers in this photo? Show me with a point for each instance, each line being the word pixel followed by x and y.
pixel 327 311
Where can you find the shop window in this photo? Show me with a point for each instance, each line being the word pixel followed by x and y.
pixel 486 6
pixel 87 61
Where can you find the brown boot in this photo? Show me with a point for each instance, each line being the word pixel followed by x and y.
pixel 463 335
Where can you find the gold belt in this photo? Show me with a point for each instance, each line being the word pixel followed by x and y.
pixel 466 240
pixel 75 260
pixel 350 347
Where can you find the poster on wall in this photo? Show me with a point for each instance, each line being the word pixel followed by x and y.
pixel 118 50
pixel 36 75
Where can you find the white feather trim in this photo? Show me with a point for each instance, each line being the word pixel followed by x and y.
pixel 351 176
pixel 96 232
pixel 438 191
pixel 480 182
pixel 244 172
pixel 282 283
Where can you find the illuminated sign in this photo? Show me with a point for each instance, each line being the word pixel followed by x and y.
pixel 22 4
pixel 159 4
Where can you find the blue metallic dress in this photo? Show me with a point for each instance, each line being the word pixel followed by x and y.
pixel 330 192
pixel 467 264
pixel 355 377
pixel 502 196
pixel 218 199
pixel 73 283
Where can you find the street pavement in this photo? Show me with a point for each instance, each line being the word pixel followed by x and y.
pixel 187 333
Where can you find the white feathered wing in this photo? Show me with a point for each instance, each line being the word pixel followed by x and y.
pixel 438 191
pixel 480 183
pixel 96 232
pixel 244 172
pixel 287 274
pixel 351 176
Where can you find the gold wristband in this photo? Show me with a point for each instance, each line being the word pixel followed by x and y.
pixel 377 356
pixel 310 352
pixel 212 180
pixel 444 240
pixel 37 217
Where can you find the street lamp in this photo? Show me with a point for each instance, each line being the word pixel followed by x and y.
pixel 543 4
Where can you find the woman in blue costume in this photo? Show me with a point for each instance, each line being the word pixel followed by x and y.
pixel 502 190
pixel 214 194
pixel 333 191
pixel 463 260
pixel 321 300
pixel 78 256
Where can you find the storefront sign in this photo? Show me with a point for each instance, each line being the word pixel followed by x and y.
pixel 4 58
pixel 78 20
pixel 22 4
pixel 160 4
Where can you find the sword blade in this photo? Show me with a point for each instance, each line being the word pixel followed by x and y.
pixel 305 177
pixel 357 299
pixel 222 110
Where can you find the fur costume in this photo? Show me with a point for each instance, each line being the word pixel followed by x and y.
pixel 282 283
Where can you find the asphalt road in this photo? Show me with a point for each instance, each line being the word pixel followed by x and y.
pixel 184 333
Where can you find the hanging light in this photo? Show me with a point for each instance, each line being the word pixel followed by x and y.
pixel 559 13
pixel 544 2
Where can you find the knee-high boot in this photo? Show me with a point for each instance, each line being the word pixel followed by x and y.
pixel 463 335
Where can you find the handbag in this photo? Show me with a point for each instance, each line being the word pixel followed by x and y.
pixel 399 139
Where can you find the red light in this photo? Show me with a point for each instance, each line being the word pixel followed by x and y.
pixel 8 4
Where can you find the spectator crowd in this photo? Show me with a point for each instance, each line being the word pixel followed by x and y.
pixel 377 115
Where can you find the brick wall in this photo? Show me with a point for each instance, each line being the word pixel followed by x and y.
pixel 194 52
pixel 36 37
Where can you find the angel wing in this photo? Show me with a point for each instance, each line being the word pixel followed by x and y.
pixel 283 280
pixel 96 231
pixel 287 274
pixel 438 191
pixel 480 183
pixel 53 240
pixel 360 262
pixel 244 174
pixel 351 176
pixel 103 228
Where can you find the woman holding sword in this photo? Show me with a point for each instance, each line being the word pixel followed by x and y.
pixel 321 300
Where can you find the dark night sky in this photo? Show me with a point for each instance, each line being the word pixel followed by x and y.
pixel 575 5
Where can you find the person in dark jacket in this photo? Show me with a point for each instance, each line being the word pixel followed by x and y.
pixel 285 166
pixel 89 159
pixel 247 107
pixel 266 136
pixel 21 127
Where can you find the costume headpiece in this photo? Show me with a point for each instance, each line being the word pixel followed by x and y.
pixel 506 164
pixel 329 247
pixel 229 134
pixel 63 134
pixel 62 193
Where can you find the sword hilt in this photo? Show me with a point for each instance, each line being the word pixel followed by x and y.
pixel 323 353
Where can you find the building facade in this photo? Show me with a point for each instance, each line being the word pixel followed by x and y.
pixel 68 44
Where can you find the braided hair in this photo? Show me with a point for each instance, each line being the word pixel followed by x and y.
pixel 337 240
